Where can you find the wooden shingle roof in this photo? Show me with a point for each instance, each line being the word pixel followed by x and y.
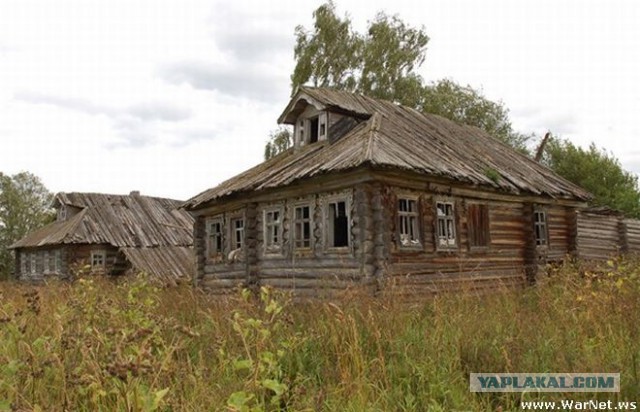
pixel 152 233
pixel 391 136
pixel 118 220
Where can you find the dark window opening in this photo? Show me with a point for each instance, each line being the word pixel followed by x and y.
pixel 215 238
pixel 338 225
pixel 478 224
pixel 313 130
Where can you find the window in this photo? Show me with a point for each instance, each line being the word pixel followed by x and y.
pixel 237 235
pixel 45 261
pixel 57 261
pixel 337 224
pixel 272 230
pixel 540 227
pixel 23 263
pixel 313 129
pixel 32 263
pixel 62 213
pixel 301 132
pixel 408 222
pixel 478 224
pixel 446 224
pixel 302 227
pixel 98 258
pixel 215 238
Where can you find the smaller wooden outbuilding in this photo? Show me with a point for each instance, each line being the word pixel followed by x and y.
pixel 110 234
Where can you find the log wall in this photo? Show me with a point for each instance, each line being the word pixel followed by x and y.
pixel 598 236
pixel 428 269
pixel 604 235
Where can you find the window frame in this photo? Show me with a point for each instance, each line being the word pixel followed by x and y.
pixel 270 247
pixel 45 262
pixel 211 253
pixel 32 263
pixel 23 263
pixel 98 253
pixel 446 218
pixel 472 229
pixel 328 230
pixel 57 267
pixel 237 234
pixel 295 222
pixel 541 243
pixel 414 223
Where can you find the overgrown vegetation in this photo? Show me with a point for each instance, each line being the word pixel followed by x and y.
pixel 98 345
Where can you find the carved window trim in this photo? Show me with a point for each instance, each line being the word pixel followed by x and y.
pixel 446 232
pixel 297 225
pixel 273 229
pixel 408 221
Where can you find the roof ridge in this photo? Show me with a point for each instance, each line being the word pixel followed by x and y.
pixel 374 127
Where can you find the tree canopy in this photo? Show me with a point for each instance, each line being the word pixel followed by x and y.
pixel 383 63
pixel 24 206
pixel 597 171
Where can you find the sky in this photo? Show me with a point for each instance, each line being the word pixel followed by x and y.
pixel 171 97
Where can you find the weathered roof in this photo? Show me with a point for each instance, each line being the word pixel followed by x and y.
pixel 398 137
pixel 118 220
pixel 164 263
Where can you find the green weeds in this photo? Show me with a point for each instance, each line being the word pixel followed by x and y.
pixel 129 346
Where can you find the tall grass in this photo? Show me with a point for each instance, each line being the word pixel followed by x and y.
pixel 129 346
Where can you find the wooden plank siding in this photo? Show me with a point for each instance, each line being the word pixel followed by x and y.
pixel 598 236
pixel 632 230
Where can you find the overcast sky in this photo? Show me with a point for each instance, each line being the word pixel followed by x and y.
pixel 173 97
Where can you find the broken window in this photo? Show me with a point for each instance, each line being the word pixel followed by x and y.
pixel 337 224
pixel 478 224
pixel 313 129
pixel 237 236
pixel 272 230
pixel 540 227
pixel 98 258
pixel 408 222
pixel 302 227
pixel 215 238
pixel 446 224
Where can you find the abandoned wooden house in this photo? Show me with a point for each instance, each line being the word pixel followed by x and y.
pixel 110 234
pixel 376 194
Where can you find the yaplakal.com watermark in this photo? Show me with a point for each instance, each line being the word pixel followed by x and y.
pixel 544 382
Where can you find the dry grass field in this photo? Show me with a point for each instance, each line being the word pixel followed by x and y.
pixel 96 345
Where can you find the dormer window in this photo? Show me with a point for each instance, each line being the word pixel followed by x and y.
pixel 62 213
pixel 311 128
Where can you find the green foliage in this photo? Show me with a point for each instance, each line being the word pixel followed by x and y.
pixel 105 346
pixel 24 206
pixel 383 64
pixel 279 141
pixel 463 104
pixel 597 171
